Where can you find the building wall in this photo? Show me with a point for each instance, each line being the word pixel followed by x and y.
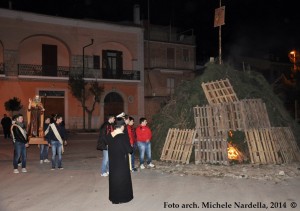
pixel 22 35
pixel 159 58
pixel 34 43
pixel 161 67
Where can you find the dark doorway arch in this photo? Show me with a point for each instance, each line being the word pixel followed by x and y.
pixel 113 104
pixel 53 101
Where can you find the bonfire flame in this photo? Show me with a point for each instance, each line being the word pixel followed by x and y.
pixel 233 153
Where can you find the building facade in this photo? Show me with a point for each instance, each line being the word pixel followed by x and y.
pixel 38 53
pixel 170 58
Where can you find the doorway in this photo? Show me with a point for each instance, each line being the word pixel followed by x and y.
pixel 53 102
pixel 113 104
pixel 49 60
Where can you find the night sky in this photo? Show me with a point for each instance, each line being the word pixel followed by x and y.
pixel 252 27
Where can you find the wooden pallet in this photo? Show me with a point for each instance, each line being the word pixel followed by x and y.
pixel 240 115
pixel 214 121
pixel 211 150
pixel 178 145
pixel 254 114
pixel 219 92
pixel 262 147
pixel 284 138
pixel 208 120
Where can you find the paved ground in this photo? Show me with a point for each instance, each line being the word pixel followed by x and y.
pixel 80 187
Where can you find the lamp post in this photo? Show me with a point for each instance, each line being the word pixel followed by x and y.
pixel 83 91
pixel 293 59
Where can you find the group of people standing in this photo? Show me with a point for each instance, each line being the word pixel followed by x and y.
pixel 53 131
pixel 118 140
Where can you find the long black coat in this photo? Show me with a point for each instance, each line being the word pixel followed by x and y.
pixel 120 185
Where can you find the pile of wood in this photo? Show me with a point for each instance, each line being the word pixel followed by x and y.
pixel 225 112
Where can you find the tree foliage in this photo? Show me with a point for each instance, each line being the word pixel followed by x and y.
pixel 85 92
pixel 76 85
pixel 13 104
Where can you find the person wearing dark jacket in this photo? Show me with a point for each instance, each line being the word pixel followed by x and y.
pixel 132 140
pixel 55 137
pixel 120 184
pixel 105 129
pixel 14 122
pixel 6 124
pixel 20 143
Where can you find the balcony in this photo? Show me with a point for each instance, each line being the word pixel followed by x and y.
pixel 40 70
pixel 63 72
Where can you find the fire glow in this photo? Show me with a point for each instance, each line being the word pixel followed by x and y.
pixel 233 153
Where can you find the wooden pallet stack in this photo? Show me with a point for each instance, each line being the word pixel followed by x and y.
pixel 266 144
pixel 212 122
pixel 211 144
pixel 286 142
pixel 272 145
pixel 226 112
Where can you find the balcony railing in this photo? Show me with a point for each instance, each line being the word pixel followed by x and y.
pixel 43 70
pixel 63 71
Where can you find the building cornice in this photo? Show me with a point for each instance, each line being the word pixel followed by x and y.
pixel 92 24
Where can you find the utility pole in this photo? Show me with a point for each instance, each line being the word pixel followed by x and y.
pixel 148 43
pixel 148 47
pixel 218 22
pixel 220 40
pixel 83 74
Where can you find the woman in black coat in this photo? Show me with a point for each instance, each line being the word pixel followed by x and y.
pixel 120 185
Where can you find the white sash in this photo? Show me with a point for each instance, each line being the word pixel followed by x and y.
pixel 57 135
pixel 21 130
pixel 47 130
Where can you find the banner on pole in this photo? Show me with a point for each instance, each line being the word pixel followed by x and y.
pixel 219 16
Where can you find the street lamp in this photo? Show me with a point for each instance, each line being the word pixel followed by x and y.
pixel 292 57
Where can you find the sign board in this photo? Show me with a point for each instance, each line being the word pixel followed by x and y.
pixel 219 16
